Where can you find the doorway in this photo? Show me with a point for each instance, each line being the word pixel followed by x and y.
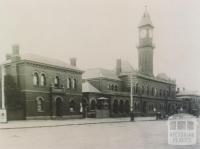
pixel 59 106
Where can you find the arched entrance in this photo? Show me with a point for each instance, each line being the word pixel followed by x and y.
pixel 115 106
pixel 59 106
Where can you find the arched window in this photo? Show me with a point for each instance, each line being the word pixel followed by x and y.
pixel 142 89
pixel 69 83
pixel 164 93
pixel 135 106
pixel 112 87
pixel 40 104
pixel 152 92
pixel 73 83
pixel 43 80
pixel 127 106
pixel 155 91
pixel 72 106
pixel 35 79
pixel 115 106
pixel 147 90
pixel 121 106
pixel 92 105
pixel 56 81
pixel 116 87
pixel 160 92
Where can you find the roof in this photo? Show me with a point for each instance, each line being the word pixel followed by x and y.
pixel 89 88
pixel 181 116
pixel 127 67
pixel 47 60
pixel 100 73
pixel 188 93
pixel 162 76
pixel 146 20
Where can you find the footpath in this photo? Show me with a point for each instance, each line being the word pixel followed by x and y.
pixel 55 123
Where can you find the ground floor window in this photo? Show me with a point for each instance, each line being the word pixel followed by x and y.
pixel 121 106
pixel 40 104
pixel 72 106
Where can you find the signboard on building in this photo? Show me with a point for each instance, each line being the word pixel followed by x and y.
pixel 182 129
pixel 3 116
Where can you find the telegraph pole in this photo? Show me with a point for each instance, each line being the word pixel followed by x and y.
pixel 3 113
pixel 131 98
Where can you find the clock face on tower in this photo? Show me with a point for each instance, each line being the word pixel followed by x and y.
pixel 150 33
pixel 143 33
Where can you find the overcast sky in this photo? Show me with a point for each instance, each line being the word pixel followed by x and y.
pixel 97 32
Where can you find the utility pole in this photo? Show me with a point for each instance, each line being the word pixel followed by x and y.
pixel 131 98
pixel 3 113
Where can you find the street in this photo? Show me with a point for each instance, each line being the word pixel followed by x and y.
pixel 123 135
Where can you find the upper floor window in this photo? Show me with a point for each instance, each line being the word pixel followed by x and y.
pixel 116 87
pixel 156 92
pixel 74 83
pixel 142 89
pixel 164 93
pixel 112 87
pixel 35 79
pixel 136 88
pixel 152 92
pixel 147 90
pixel 56 81
pixel 43 80
pixel 69 83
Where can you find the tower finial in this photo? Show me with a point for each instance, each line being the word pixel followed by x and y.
pixel 145 7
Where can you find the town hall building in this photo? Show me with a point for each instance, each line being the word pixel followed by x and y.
pixel 107 92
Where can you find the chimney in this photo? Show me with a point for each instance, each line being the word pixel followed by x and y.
pixel 15 53
pixel 178 90
pixel 73 62
pixel 118 66
pixel 15 50
pixel 8 56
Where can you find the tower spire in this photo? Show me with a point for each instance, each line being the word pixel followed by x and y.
pixel 146 19
pixel 145 47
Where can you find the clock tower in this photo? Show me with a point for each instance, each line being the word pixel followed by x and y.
pixel 145 47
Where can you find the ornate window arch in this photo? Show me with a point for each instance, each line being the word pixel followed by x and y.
pixel 43 80
pixel 72 105
pixel 57 81
pixel 40 104
pixel 143 89
pixel 116 87
pixel 73 81
pixel 69 83
pixel 152 91
pixel 147 90
pixel 35 79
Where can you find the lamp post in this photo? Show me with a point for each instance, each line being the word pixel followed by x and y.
pixel 131 98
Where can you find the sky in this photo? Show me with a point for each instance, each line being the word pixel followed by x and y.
pixel 97 32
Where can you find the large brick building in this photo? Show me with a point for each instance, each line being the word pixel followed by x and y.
pixel 107 92
pixel 48 88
